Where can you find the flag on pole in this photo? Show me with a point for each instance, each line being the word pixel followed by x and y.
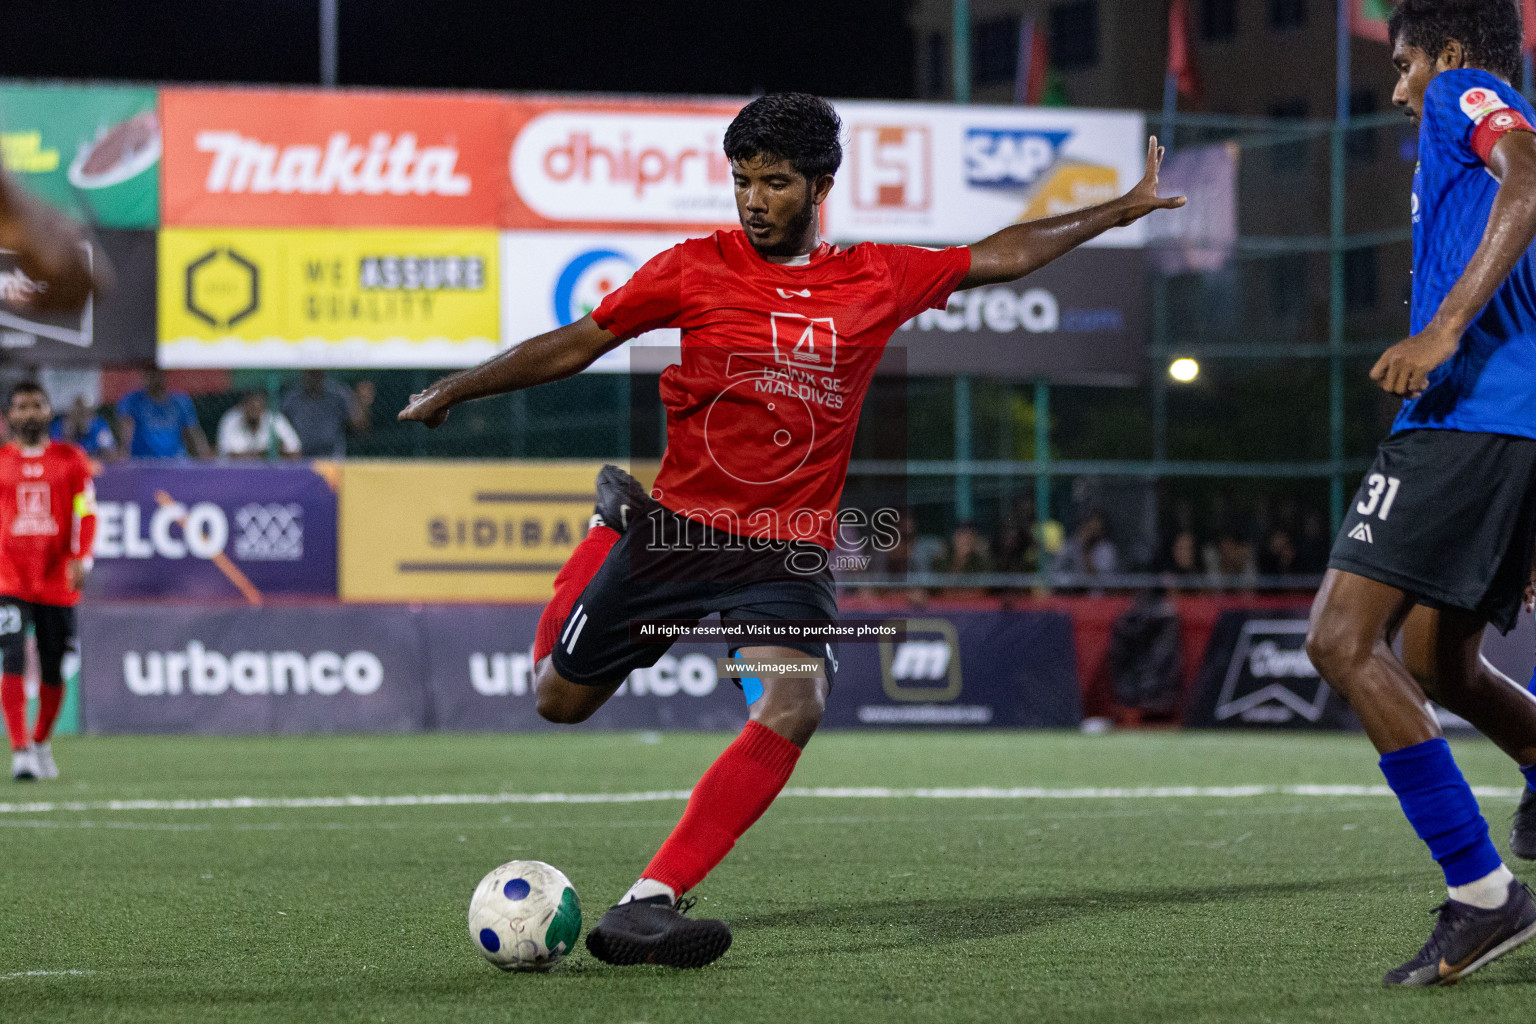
pixel 1368 19
pixel 1528 15
pixel 1181 52
pixel 1034 65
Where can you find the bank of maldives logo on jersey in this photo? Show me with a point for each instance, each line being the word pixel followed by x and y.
pixel 1030 162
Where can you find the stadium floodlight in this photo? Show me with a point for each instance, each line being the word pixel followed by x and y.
pixel 1184 370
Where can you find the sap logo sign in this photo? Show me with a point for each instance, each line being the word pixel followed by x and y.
pixel 922 669
pixel 202 672
pixel 693 675
pixel 1268 660
pixel 1010 157
pixel 501 675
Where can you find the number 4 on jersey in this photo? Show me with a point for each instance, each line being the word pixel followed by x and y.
pixel 1383 491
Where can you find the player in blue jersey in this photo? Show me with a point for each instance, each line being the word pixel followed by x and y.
pixel 1438 541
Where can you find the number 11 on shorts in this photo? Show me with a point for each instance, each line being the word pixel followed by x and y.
pixel 1383 491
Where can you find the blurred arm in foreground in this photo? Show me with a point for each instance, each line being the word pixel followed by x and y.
pixel 50 249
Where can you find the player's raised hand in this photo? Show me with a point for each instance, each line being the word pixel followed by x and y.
pixel 1143 199
pixel 50 249
pixel 1404 368
pixel 429 407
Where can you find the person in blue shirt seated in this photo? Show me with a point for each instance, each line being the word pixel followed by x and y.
pixel 157 423
pixel 80 424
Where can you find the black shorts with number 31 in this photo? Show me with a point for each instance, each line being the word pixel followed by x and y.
pixel 1448 516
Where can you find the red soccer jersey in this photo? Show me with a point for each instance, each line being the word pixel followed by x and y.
pixel 776 359
pixel 47 518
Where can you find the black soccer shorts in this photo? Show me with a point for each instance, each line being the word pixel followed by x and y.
pixel 1448 516
pixel 666 566
pixel 55 628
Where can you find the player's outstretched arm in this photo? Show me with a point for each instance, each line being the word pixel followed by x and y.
pixel 1024 248
pixel 1404 368
pixel 553 356
pixel 49 249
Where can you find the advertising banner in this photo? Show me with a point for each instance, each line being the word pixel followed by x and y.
pixel 290 157
pixel 460 531
pixel 117 327
pixel 481 674
pixel 184 669
pixel 1080 320
pixel 635 165
pixel 218 532
pixel 1256 674
pixel 327 298
pixel 93 152
pixel 961 669
pixel 939 174
pixel 553 278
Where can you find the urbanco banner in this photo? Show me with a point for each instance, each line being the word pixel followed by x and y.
pixel 219 532
pixel 306 157
pixel 92 151
pixel 338 298
pixel 190 669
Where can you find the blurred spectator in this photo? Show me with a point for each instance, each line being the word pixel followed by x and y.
pixel 1181 557
pixel 247 430
pixel 967 552
pixel 1278 555
pixel 156 423
pixel 1089 550
pixel 1015 547
pixel 927 552
pixel 82 425
pixel 1230 556
pixel 1315 544
pixel 323 410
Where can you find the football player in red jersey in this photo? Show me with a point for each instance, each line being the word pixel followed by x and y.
pixel 781 333
pixel 47 525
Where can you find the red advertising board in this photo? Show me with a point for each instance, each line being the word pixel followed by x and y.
pixel 637 165
pixel 287 157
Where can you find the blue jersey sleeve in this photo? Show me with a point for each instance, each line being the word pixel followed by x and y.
pixel 1454 105
pixel 185 411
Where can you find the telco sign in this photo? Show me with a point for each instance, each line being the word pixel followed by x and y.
pixel 213 532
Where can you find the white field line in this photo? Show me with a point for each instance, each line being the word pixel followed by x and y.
pixel 42 974
pixel 241 803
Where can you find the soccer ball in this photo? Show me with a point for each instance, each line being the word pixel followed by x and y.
pixel 524 916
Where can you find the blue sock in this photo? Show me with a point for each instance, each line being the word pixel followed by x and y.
pixel 1442 810
pixel 1532 685
pixel 1529 771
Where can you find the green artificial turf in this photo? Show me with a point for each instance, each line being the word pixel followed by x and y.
pixel 1261 908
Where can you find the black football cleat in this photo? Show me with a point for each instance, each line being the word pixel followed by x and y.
pixel 654 931
pixel 1466 937
pixel 1522 834
pixel 620 498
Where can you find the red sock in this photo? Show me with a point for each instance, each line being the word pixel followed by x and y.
pixel 49 698
pixel 733 794
pixel 569 583
pixel 13 699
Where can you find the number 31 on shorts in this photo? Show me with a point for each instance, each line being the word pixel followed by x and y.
pixel 1383 491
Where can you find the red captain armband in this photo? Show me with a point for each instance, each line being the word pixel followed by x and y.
pixel 1493 126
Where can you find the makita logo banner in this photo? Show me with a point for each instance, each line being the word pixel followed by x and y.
pixel 257 158
pixel 635 165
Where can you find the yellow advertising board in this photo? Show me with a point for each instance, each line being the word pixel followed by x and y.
pixel 339 297
pixel 460 531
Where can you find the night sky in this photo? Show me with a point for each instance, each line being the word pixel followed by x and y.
pixel 856 49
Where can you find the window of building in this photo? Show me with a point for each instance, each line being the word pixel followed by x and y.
pixel 1075 35
pixel 936 66
pixel 1360 279
pixel 1218 19
pixel 994 51
pixel 1288 156
pixel 1360 143
pixel 1287 13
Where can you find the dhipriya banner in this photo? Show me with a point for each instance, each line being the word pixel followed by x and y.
pixel 1256 674
pixel 481 676
pixel 553 278
pixel 961 669
pixel 945 174
pixel 460 531
pixel 215 532
pixel 343 298
pixel 116 327
pixel 291 157
pixel 1080 320
pixel 640 165
pixel 185 669
pixel 93 152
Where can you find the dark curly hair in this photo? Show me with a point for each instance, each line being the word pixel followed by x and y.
pixel 1489 30
pixel 793 126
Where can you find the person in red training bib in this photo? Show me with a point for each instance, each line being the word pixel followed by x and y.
pixel 47 525
pixel 781 334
